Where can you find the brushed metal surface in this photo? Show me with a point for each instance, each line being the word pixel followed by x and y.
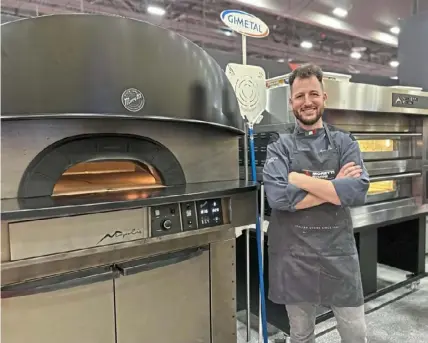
pixel 5 246
pixel 58 235
pixel 86 69
pixel 223 291
pixel 363 100
pixel 166 304
pixel 395 176
pixel 23 270
pixel 79 314
pixel 371 122
pixel 368 98
pixel 376 168
pixel 204 155
pixel 374 214
pixel 243 208
pixel 278 109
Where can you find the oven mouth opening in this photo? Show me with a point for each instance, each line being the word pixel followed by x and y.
pixel 106 176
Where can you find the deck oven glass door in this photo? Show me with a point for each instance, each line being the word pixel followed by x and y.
pixel 165 298
pixel 386 146
pixel 70 308
pixel 393 161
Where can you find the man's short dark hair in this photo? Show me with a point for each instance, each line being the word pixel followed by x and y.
pixel 305 71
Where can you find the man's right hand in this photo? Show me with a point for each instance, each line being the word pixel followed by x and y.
pixel 350 170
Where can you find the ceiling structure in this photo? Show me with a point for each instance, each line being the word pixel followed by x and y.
pixel 364 32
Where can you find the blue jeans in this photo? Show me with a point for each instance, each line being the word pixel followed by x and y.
pixel 351 323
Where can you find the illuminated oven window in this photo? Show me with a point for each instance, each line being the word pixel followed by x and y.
pixel 106 176
pixel 379 187
pixel 376 145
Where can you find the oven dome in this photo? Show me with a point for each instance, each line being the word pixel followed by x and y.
pixel 107 66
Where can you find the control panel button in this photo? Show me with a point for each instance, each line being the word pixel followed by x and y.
pixel 165 220
pixel 166 224
pixel 188 214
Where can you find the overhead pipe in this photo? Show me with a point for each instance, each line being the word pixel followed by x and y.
pixel 415 7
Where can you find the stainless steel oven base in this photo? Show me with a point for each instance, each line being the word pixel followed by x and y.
pixel 186 296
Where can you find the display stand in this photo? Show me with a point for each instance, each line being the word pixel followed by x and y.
pixel 249 83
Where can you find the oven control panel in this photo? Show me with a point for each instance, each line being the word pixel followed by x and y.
pixel 165 220
pixel 185 216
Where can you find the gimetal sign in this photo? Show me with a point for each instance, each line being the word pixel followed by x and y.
pixel 409 101
pixel 244 23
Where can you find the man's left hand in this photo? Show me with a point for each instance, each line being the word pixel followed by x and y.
pixel 292 178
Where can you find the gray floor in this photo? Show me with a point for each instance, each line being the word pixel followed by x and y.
pixel 397 317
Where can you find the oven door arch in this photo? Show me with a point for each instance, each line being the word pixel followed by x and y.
pixel 42 174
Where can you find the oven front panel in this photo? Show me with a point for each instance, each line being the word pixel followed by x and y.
pixel 204 155
pixel 77 314
pixel 165 303
pixel 57 235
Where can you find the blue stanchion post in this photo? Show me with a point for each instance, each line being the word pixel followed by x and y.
pixel 259 233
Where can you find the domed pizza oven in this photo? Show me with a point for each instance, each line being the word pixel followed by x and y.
pixel 119 179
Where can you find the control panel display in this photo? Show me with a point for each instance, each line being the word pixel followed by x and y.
pixel 209 213
pixel 165 220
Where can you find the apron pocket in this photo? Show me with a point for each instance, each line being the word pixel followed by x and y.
pixel 293 279
pixel 340 281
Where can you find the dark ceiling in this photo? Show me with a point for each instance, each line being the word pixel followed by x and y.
pixel 290 22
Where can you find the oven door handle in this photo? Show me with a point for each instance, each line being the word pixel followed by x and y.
pixel 153 262
pixel 58 282
pixel 393 177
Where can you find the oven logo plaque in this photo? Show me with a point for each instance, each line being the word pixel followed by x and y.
pixel 120 235
pixel 409 101
pixel 133 100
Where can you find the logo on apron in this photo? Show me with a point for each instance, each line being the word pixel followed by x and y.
pixel 323 174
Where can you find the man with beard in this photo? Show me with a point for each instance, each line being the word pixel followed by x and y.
pixel 313 173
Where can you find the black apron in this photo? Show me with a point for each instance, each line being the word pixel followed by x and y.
pixel 312 252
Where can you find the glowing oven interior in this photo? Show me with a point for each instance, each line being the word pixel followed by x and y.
pixel 380 187
pixel 379 145
pixel 376 145
pixel 106 176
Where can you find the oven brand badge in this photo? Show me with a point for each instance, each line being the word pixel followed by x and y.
pixel 133 100
pixel 120 235
pixel 403 100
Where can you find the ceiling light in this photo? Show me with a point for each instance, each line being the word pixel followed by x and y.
pixel 281 60
pixel 394 64
pixel 305 44
pixel 359 48
pixel 356 55
pixel 395 30
pixel 156 10
pixel 340 12
pixel 385 38
pixel 394 77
